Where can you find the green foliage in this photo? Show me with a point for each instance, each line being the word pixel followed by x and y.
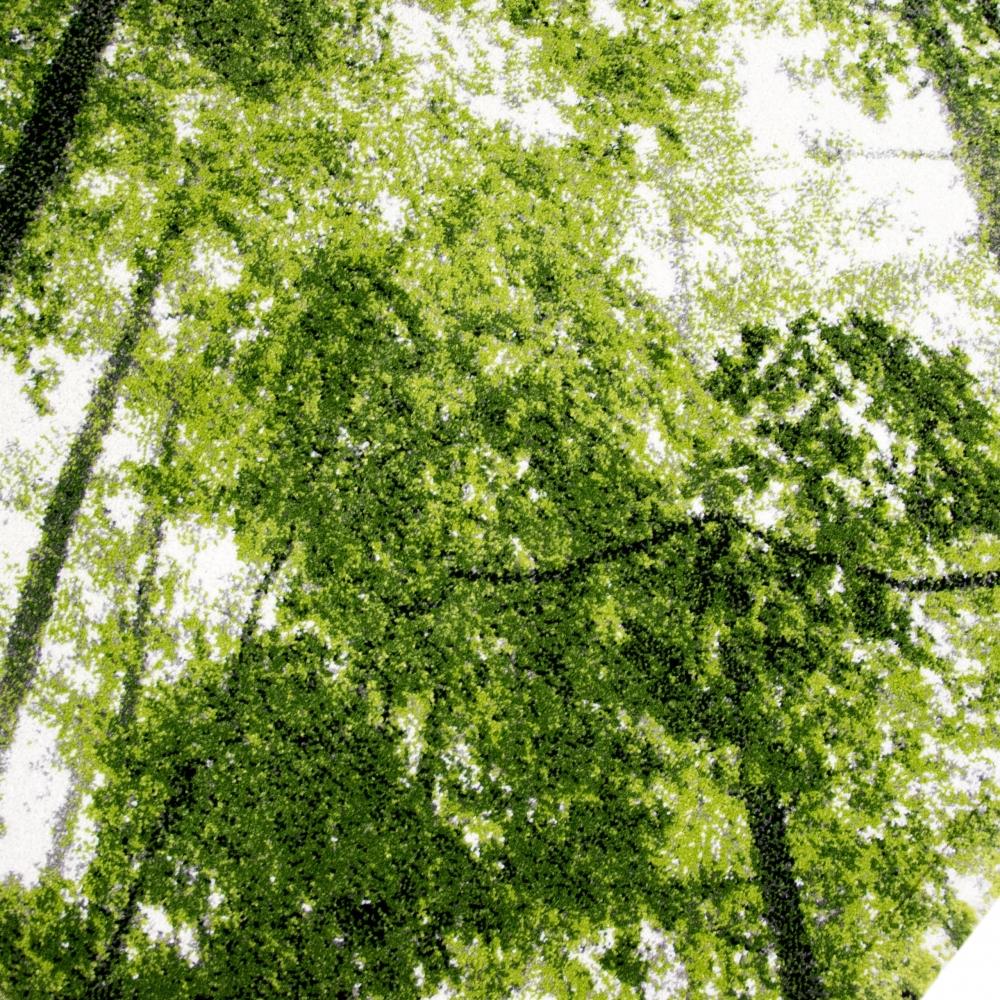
pixel 933 461
pixel 263 48
pixel 525 673
pixel 867 48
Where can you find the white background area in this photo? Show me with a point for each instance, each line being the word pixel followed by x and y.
pixel 974 973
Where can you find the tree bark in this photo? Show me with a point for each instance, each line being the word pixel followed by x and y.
pixel 991 14
pixel 40 158
pixel 978 134
pixel 35 603
pixel 800 979
pixel 108 982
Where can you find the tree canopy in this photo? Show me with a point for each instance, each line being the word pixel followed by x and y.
pixel 569 666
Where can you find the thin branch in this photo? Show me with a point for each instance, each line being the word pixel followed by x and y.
pixel 937 585
pixel 107 981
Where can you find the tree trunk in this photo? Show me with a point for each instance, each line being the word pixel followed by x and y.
pixel 978 134
pixel 991 14
pixel 797 966
pixel 34 607
pixel 40 157
pixel 108 983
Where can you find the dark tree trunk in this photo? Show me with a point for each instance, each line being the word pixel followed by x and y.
pixel 800 979
pixel 978 134
pixel 40 156
pixel 35 602
pixel 34 606
pixel 35 167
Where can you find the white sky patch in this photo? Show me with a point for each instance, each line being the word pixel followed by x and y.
pixel 839 210
pixel 84 844
pixel 61 659
pixel 763 511
pixel 471 838
pixel 278 587
pixel 19 534
pixel 972 973
pixel 648 241
pixel 667 976
pixel 242 334
pixel 607 15
pixel 411 726
pixel 167 321
pixel 215 898
pixel 588 954
pixel 32 450
pixel 33 789
pixel 646 144
pixel 789 117
pixel 221 271
pixel 852 486
pixel 914 125
pixel 267 615
pixel 100 185
pixel 943 645
pixel 656 447
pixel 853 415
pixel 538 117
pixel 21 425
pixel 186 109
pixel 157 927
pixel 118 275
pixel 392 208
pixel 937 942
pixel 487 67
pixel 214 585
pixel 967 773
pixel 459 757
pixel 127 441
pixel 519 549
pixel 972 889
pixel 503 360
pixel 124 507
